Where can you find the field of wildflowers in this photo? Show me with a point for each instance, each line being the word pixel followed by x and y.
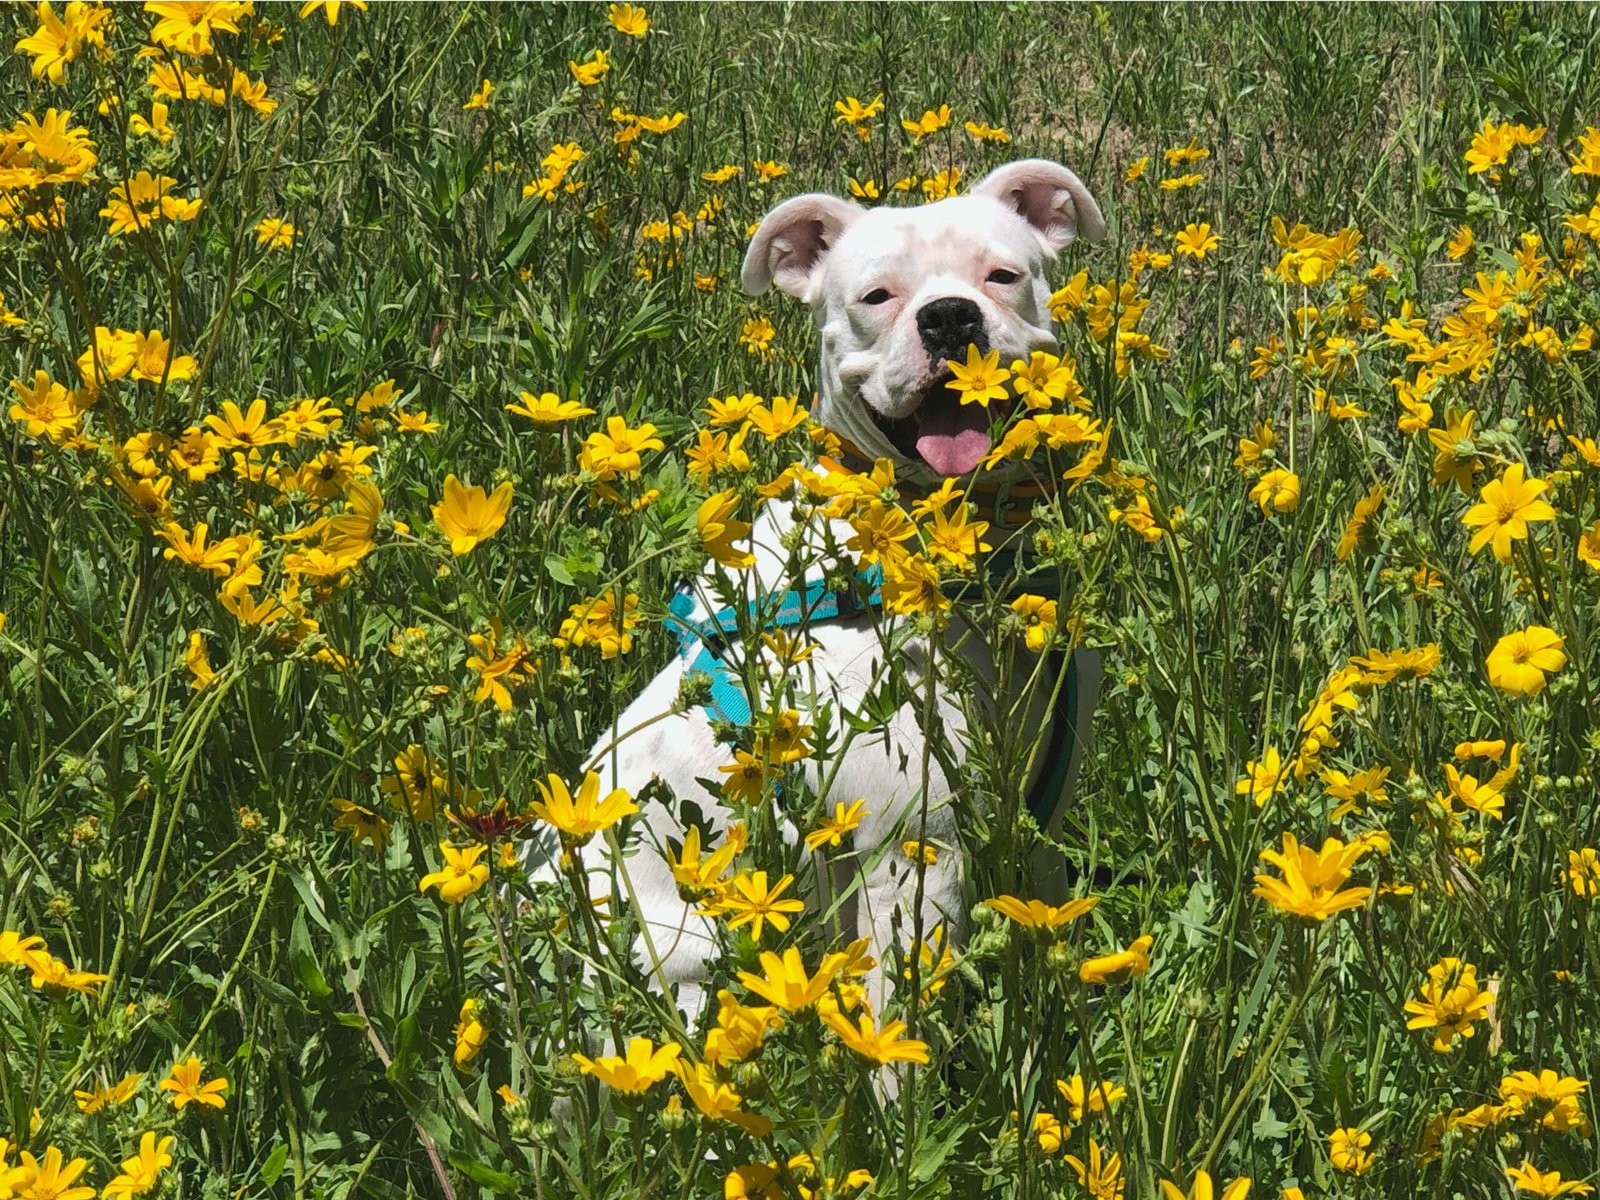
pixel 377 372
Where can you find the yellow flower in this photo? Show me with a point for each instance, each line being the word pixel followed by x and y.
pixel 1494 749
pixel 1347 1151
pixel 578 818
pixel 697 874
pixel 416 422
pixel 1554 1094
pixel 1050 1132
pixel 50 973
pixel 882 1045
pixel 118 1093
pixel 330 8
pixel 1312 879
pixel 718 1100
pixel 1352 790
pixel 746 778
pixel 199 664
pixel 766 171
pixel 592 71
pixel 1039 620
pixel 46 1179
pixel 1589 547
pixel 17 949
pixel 153 360
pixel 186 26
pixel 472 1032
pixel 1100 1177
pixel 361 822
pixel 739 1029
pixel 954 539
pixel 479 98
pixel 461 875
pixel 1455 457
pixel 832 831
pixel 1070 298
pixel 619 450
pixel 1386 666
pixel 1520 661
pixel 135 204
pixel 595 622
pixel 247 429
pixel 1492 146
pixel 784 415
pixel 1528 1178
pixel 784 981
pixel 1358 532
pixel 547 408
pixel 781 737
pixel 191 548
pixel 1278 490
pixel 185 1086
pixel 911 586
pixel 1120 965
pixel 982 131
pixel 980 379
pixel 944 184
pixel 275 234
pixel 1263 779
pixel 628 19
pixel 930 122
pixel 142 1172
pixel 719 529
pixel 1508 505
pixel 750 902
pixel 1196 241
pixel 1081 1100
pixel 47 408
pixel 468 515
pixel 645 1066
pixel 59 40
pixel 922 852
pixel 1203 1189
pixel 1036 914
pixel 1451 1001
pixel 1583 871
pixel 417 782
pixel 1136 169
pixel 1460 243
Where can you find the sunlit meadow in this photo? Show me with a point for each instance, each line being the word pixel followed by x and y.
pixel 376 373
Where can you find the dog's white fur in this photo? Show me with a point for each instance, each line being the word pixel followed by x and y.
pixel 833 254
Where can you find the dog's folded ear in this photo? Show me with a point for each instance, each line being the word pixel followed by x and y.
pixel 1050 198
pixel 793 241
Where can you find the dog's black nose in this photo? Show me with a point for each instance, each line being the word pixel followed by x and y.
pixel 948 325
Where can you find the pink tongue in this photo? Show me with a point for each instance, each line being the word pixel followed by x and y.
pixel 954 439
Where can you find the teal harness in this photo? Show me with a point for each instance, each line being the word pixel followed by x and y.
pixel 701 642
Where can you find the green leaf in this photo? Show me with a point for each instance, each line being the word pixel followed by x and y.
pixel 496 1181
pixel 273 1167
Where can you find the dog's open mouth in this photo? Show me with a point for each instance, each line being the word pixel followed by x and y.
pixel 951 437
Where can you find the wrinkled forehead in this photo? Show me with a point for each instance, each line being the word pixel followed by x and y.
pixel 948 237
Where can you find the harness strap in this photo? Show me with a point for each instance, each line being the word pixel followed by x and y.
pixel 702 644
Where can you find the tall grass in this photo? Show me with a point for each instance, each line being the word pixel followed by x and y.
pixel 174 830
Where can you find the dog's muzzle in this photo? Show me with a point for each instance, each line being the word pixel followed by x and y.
pixel 952 438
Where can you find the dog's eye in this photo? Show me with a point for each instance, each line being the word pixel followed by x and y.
pixel 876 296
pixel 1001 275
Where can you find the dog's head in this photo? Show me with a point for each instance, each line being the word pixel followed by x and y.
pixel 899 292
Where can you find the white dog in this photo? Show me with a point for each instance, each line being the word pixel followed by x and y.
pixel 896 292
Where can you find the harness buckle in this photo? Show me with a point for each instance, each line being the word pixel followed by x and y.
pixel 1013 503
